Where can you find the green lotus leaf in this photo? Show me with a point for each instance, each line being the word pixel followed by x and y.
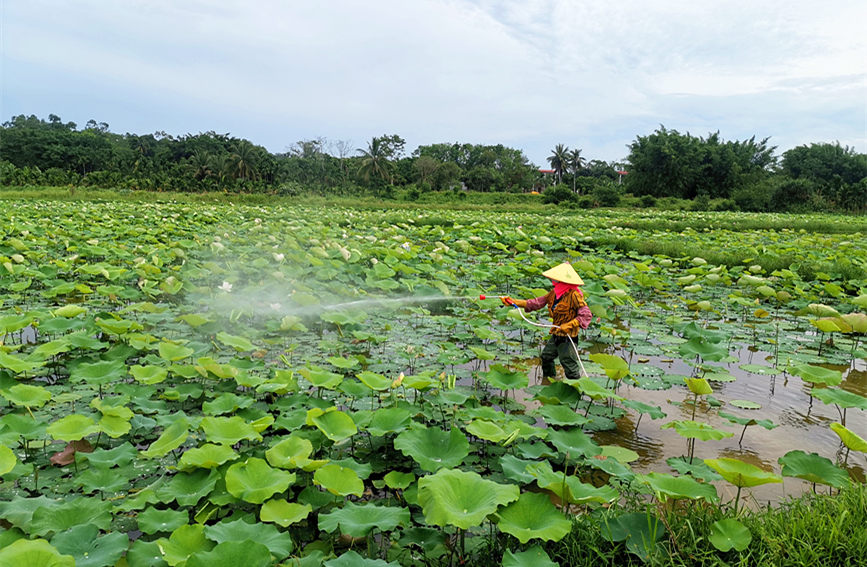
pixel 813 468
pixel 171 438
pixel 615 367
pixel 335 424
pixel 432 448
pixel 857 321
pixel 533 516
pixel 558 414
pixel 240 344
pixel 533 557
pixel 99 373
pixel 284 513
pixel 59 517
pixel 290 453
pixel 640 531
pixel 27 396
pixel 697 430
pixel 830 325
pixel 96 479
pixel 374 381
pixel 232 554
pixel 728 534
pixel 487 430
pixel 7 459
pixel 322 378
pixel 69 311
pixel 620 454
pixel 849 438
pixel 389 420
pixel 278 543
pixel 397 480
pixel 357 520
pixel 463 499
pixel 18 365
pixel 343 363
pixel 698 386
pixel 655 412
pixel 338 480
pixel 152 520
pixel 119 456
pixel 841 398
pixel 481 353
pixel 187 488
pixel 174 352
pixel 34 552
pixel 666 486
pixel 254 481
pixel 570 489
pixel 145 554
pixel 352 559
pixel 226 403
pixel 501 377
pixel 184 541
pixel 228 430
pixel 741 474
pixel 704 348
pixel 207 456
pixel 49 349
pixel 817 374
pixel 149 374
pixel 574 443
pixel 589 387
pixel 73 427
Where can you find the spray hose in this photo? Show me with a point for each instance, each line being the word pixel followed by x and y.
pixel 543 325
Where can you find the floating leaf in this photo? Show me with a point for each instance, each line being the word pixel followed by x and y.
pixel 432 448
pixel 278 543
pixel 184 542
pixel 667 486
pixel 357 520
pixel 533 557
pixel 338 480
pixel 152 520
pixel 697 430
pixel 745 404
pixel 284 513
pixel 231 554
pixel 533 516
pixel 34 552
pixel 254 481
pixel 729 534
pixel 72 428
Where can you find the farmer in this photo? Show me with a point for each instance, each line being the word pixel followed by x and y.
pixel 569 313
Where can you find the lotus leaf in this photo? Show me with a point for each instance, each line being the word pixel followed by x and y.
pixel 745 404
pixel 640 531
pixel 72 427
pixel 839 397
pixel 231 554
pixel 335 424
pixel 741 474
pixel 254 481
pixel 338 480
pixel 358 520
pixel 849 438
pixel 290 453
pixel 170 439
pixel 813 468
pixel 817 374
pixel 34 552
pixel 501 377
pixel 621 454
pixel 397 480
pixel 666 486
pixel 697 430
pixel 278 543
pixel 152 520
pixel 174 352
pixel 557 414
pixel 352 559
pixel 322 378
pixel 389 420
pixel 7 459
pixel 188 488
pixel 240 344
pixel 432 448
pixel 533 557
pixel 228 430
pixel 614 366
pixel 284 513
pixel 58 517
pixel 184 541
pixel 729 534
pixel 533 516
pixel 18 365
pixel 464 499
pixel 698 386
pixel 26 395
pixel 374 381
pixel 574 443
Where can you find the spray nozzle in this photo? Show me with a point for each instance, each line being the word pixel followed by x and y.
pixel 483 297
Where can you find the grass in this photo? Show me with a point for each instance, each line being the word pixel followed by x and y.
pixel 809 531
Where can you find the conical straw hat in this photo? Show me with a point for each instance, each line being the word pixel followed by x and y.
pixel 564 273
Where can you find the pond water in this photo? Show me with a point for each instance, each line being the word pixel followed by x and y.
pixel 803 421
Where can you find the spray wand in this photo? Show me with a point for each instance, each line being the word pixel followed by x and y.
pixel 521 313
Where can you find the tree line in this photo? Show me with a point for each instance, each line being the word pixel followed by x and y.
pixel 710 171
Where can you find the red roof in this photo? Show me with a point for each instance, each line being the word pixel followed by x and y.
pixel 623 172
pixel 547 170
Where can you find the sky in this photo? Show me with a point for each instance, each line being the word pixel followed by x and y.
pixel 528 74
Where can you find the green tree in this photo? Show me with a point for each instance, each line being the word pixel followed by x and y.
pixel 575 164
pixel 375 167
pixel 559 160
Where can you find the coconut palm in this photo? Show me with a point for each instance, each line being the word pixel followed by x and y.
pixel 576 163
pixel 374 161
pixel 245 158
pixel 559 160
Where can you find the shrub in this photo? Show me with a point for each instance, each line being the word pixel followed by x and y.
pixel 606 193
pixel 557 194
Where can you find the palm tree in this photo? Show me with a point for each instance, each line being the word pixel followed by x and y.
pixel 374 163
pixel 576 164
pixel 245 156
pixel 200 164
pixel 559 160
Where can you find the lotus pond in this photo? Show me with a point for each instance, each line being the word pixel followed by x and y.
pixel 191 385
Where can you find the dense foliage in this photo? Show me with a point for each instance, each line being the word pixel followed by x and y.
pixel 191 384
pixel 712 173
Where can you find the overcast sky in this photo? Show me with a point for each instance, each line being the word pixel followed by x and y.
pixel 525 73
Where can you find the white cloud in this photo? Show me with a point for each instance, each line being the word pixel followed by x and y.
pixel 528 74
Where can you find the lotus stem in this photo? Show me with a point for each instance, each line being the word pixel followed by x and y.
pixel 737 498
